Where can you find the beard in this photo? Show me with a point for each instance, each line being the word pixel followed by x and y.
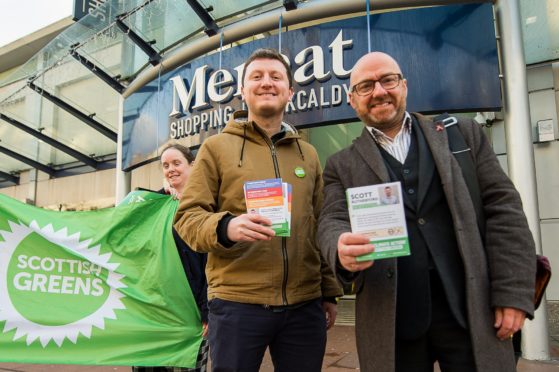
pixel 383 121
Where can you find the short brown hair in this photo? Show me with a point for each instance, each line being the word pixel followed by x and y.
pixel 268 53
pixel 185 151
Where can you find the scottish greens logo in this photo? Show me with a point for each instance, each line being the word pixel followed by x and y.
pixel 54 286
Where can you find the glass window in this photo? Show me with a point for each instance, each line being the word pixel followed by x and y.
pixel 332 138
pixel 540 28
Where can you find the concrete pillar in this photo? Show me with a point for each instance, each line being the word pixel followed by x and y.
pixel 520 151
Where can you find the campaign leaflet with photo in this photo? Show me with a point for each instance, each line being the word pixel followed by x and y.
pixel 377 211
pixel 269 198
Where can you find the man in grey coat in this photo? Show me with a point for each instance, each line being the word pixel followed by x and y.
pixel 461 294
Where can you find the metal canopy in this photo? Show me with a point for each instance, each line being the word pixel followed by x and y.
pixel 51 141
pixel 101 74
pixel 290 4
pixel 78 78
pixel 211 27
pixel 9 177
pixel 34 164
pixel 64 101
pixel 87 119
pixel 145 46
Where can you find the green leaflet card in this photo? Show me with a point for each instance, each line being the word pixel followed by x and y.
pixel 377 211
pixel 287 197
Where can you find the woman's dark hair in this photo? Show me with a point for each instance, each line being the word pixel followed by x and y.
pixel 183 149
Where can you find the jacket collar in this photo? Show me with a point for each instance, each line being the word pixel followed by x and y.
pixel 437 142
pixel 238 122
pixel 426 164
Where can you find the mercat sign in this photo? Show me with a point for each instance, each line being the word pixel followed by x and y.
pixel 196 106
pixel 448 54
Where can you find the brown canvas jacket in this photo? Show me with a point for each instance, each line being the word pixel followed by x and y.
pixel 282 271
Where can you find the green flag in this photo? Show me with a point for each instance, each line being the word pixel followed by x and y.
pixel 101 287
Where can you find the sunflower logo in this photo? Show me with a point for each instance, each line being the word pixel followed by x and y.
pixel 53 286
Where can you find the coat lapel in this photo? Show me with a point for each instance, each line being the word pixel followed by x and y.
pixel 368 149
pixel 437 142
pixel 426 165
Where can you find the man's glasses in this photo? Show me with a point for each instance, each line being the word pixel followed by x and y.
pixel 387 82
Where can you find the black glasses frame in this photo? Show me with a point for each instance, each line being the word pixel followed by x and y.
pixel 361 88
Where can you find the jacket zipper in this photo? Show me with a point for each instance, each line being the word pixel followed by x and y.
pixel 272 147
pixel 283 240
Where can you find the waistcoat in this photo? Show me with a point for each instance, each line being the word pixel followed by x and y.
pixel 432 241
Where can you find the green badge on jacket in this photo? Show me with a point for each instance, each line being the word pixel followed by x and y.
pixel 300 172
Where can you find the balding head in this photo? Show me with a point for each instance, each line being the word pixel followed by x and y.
pixel 380 98
pixel 373 61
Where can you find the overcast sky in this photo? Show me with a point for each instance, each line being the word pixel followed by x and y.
pixel 19 18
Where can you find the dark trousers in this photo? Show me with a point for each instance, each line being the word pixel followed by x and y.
pixel 239 334
pixel 445 341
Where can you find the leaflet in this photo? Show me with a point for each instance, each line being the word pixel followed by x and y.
pixel 377 211
pixel 270 198
pixel 287 193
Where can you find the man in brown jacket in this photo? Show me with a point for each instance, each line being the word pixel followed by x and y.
pixel 262 290
pixel 458 298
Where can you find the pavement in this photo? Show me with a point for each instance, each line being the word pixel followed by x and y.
pixel 341 356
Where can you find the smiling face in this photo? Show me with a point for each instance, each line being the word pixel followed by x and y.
pixel 176 168
pixel 382 109
pixel 266 88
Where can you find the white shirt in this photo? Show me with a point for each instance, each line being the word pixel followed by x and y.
pixel 400 145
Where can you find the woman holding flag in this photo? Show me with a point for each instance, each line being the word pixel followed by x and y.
pixel 177 162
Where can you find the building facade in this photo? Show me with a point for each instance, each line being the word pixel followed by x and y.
pixel 86 107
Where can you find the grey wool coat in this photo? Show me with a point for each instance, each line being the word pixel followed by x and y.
pixel 499 273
